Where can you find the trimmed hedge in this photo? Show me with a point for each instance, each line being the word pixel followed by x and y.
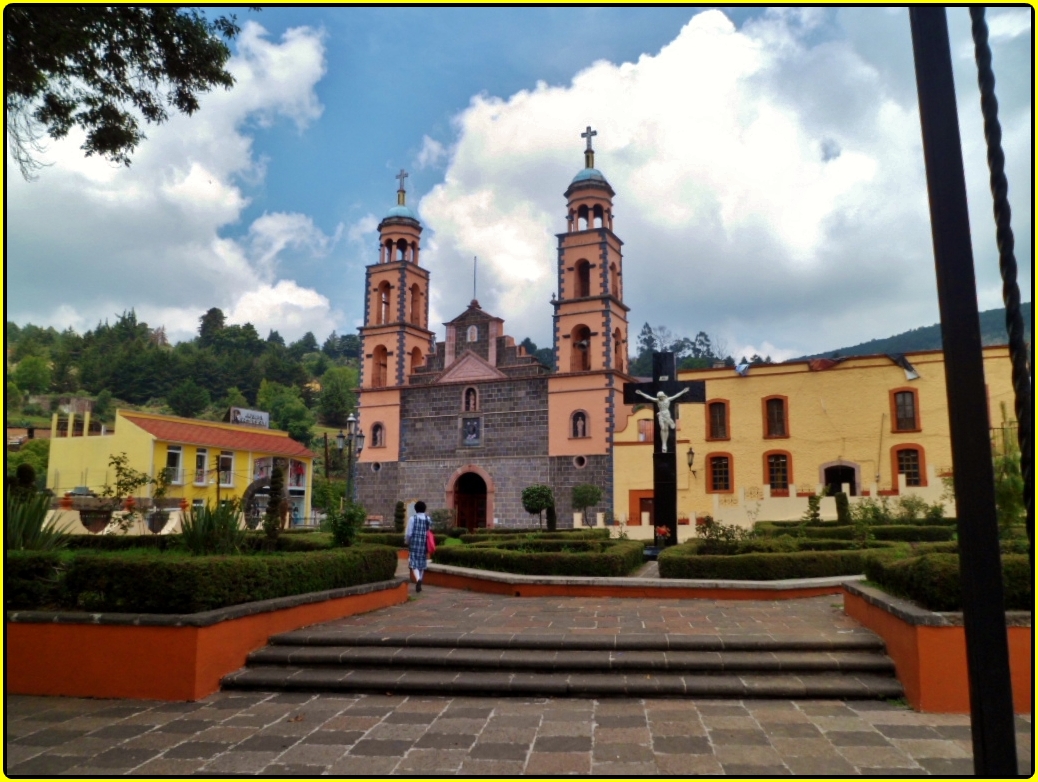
pixel 394 539
pixel 903 532
pixel 682 562
pixel 254 542
pixel 497 535
pixel 933 580
pixel 538 545
pixel 788 524
pixel 783 544
pixel 31 579
pixel 159 584
pixel 618 558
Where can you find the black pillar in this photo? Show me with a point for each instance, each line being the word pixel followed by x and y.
pixel 665 465
pixel 987 648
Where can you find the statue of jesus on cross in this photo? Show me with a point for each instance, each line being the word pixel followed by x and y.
pixel 662 402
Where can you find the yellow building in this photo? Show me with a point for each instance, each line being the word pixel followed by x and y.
pixel 202 460
pixel 768 439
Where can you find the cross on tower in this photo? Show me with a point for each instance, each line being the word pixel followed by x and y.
pixel 588 134
pixel 402 176
pixel 664 458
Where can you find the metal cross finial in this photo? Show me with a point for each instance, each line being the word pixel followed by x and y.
pixel 588 134
pixel 402 176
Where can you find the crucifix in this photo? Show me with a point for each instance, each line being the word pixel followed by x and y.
pixel 589 153
pixel 666 392
pixel 402 176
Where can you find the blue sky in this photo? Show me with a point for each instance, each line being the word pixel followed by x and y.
pixel 767 164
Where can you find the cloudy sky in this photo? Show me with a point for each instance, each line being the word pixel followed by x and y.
pixel 767 164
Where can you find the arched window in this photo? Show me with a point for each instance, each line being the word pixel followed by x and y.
pixel 580 353
pixel 720 473
pixel 378 436
pixel 778 472
pixel 382 303
pixel 578 425
pixel 401 250
pixel 473 334
pixel 583 278
pixel 717 420
pixel 582 218
pixel 416 305
pixel 904 410
pixel 379 366
pixel 614 280
pixel 597 215
pixel 618 351
pixel 416 359
pixel 387 251
pixel 470 400
pixel 908 459
pixel 776 417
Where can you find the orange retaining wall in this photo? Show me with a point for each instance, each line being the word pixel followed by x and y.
pixel 931 661
pixel 157 663
pixel 454 581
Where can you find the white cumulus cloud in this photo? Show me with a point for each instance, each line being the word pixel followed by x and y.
pixel 770 187
pixel 90 239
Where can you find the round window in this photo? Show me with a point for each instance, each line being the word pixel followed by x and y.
pixel 376 466
pixel 580 462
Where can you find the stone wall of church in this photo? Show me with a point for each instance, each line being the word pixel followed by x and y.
pixel 513 418
pixel 565 474
pixel 379 491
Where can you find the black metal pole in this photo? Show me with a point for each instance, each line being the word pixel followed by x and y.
pixel 987 648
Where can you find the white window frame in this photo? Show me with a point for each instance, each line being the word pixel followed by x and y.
pixel 178 471
pixel 204 454
pixel 221 471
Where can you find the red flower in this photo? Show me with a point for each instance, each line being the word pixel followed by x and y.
pixel 662 532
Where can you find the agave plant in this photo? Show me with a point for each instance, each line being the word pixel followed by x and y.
pixel 213 529
pixel 25 520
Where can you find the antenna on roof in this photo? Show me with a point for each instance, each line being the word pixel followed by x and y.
pixel 473 277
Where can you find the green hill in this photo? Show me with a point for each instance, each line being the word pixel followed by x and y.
pixel 992 332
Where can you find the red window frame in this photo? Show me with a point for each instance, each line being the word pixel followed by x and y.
pixel 789 472
pixel 894 424
pixel 709 420
pixel 785 417
pixel 710 472
pixel 895 465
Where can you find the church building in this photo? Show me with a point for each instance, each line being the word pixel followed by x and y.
pixel 469 422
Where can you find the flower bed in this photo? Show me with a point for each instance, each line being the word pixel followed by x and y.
pixel 613 559
pixel 167 583
pixel 902 532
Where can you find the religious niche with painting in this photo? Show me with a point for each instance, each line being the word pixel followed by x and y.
pixel 471 431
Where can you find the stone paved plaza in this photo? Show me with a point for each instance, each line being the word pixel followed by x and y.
pixel 374 735
pixel 280 734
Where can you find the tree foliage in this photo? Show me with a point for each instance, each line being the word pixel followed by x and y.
pixel 537 499
pixel 188 399
pixel 101 67
pixel 586 495
pixel 33 374
pixel 337 398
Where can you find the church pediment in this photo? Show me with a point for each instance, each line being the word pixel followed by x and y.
pixel 470 367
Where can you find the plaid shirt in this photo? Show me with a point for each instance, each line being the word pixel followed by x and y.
pixel 417 528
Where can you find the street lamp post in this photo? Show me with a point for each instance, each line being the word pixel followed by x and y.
pixel 352 442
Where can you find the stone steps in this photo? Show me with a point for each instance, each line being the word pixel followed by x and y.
pixel 496 683
pixel 572 664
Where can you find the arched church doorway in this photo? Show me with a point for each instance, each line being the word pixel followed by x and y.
pixel 470 501
pixel 839 474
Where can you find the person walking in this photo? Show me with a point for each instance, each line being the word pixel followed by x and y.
pixel 415 537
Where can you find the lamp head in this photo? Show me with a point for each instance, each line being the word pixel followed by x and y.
pixel 340 441
pixel 360 441
pixel 690 457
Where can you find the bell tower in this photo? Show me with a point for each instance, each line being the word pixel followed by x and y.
pixel 395 338
pixel 590 319
pixel 590 316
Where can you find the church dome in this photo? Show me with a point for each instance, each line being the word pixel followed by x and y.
pixel 589 175
pixel 401 211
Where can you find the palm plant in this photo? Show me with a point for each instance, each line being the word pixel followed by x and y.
pixel 26 527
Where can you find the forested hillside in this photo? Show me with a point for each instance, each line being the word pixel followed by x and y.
pixel 130 363
pixel 992 332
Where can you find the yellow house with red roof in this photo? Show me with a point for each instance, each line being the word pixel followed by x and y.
pixel 203 461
